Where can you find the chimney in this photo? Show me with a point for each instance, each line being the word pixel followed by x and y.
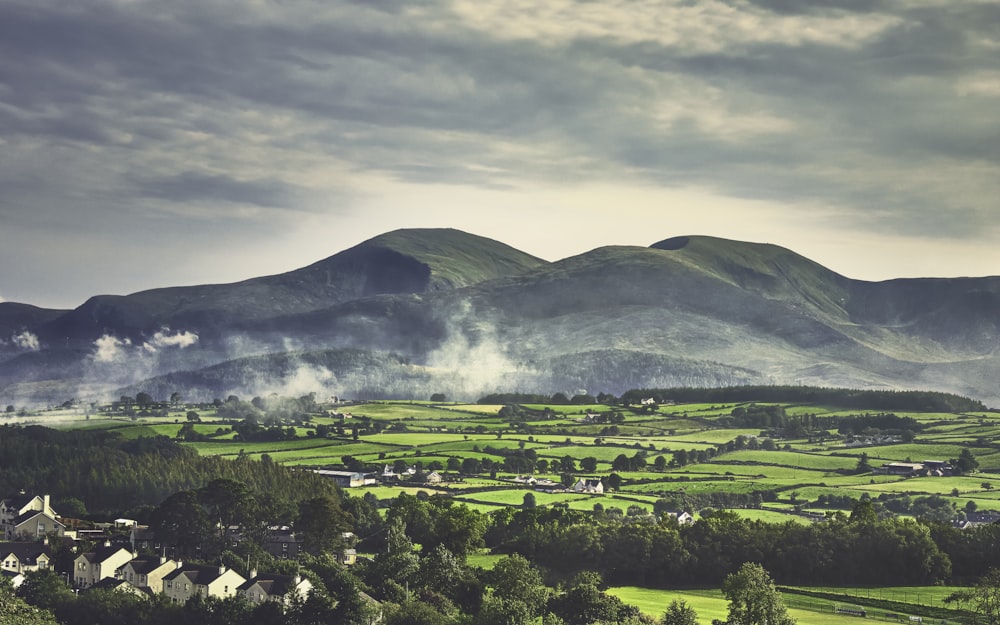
pixel 107 543
pixel 180 563
pixel 46 507
pixel 253 573
pixel 222 569
pixel 163 559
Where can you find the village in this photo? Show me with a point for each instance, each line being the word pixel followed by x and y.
pixel 29 524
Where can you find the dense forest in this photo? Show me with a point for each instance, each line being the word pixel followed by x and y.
pixel 116 476
pixel 925 401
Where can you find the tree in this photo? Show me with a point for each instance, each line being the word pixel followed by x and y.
pixel 753 598
pixel 679 613
pixel 321 521
pixel 966 462
pixel 228 503
pixel 439 397
pixel 15 611
pixel 613 482
pixel 864 512
pixel 529 501
pixel 193 416
pixel 181 520
pixel 983 598
pixel 515 578
pixel 589 464
pixel 863 464
pixel 143 400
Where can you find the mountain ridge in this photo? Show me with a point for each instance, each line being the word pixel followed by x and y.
pixel 489 314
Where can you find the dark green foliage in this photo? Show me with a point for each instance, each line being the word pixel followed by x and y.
pixel 927 401
pixel 966 462
pixel 661 554
pixel 15 611
pixel 321 522
pixel 584 603
pixel 111 476
pixel 679 613
pixel 753 598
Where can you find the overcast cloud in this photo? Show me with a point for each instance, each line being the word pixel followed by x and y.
pixel 148 144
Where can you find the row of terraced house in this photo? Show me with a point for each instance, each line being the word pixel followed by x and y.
pixel 118 568
pixel 27 522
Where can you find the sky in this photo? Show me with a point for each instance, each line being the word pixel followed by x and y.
pixel 147 144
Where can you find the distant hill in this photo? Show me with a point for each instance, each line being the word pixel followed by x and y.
pixel 418 311
pixel 403 261
pixel 15 317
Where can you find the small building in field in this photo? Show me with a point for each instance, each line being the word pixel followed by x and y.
pixel 348 479
pixel 902 468
pixel 590 487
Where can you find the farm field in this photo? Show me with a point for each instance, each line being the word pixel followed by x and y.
pixel 806 610
pixel 695 444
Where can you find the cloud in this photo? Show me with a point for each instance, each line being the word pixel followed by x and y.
pixel 111 349
pixel 220 135
pixel 163 339
pixel 190 185
pixel 26 340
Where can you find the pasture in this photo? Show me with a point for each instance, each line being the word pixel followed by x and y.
pixel 438 435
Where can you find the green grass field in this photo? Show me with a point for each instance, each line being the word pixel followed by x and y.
pixel 445 432
pixel 711 605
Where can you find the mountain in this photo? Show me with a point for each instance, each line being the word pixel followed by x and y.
pixel 418 311
pixel 403 261
pixel 15 317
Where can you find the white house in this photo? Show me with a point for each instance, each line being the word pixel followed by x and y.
pixel 188 580
pixel 591 487
pixel 93 566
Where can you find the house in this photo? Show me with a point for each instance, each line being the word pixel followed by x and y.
pixel 143 539
pixel 28 517
pixel 283 543
pixel 591 487
pixel 902 468
pixel 348 479
pixel 433 478
pixel 118 585
pixel 14 578
pixel 14 507
pixel 147 572
pixel 33 525
pixel 273 587
pixel 683 518
pixel 23 557
pixel 981 518
pixel 188 580
pixel 348 556
pixel 93 566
